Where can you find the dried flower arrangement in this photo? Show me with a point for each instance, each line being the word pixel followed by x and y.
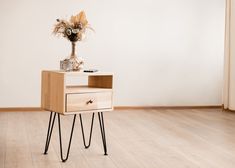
pixel 73 30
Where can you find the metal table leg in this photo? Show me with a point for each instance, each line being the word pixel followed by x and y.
pixel 71 136
pixel 50 130
pixel 102 130
pixel 83 136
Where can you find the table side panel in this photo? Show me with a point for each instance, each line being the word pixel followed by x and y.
pixel 45 90
pixel 53 87
pixel 57 97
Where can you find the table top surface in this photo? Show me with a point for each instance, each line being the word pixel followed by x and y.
pixel 99 73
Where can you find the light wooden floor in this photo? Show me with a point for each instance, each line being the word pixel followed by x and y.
pixel 136 139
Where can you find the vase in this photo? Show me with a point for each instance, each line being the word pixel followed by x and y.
pixel 73 63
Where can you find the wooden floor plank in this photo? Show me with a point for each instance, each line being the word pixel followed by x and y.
pixel 3 128
pixel 136 139
pixel 17 147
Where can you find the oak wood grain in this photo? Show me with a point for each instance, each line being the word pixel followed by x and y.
pixel 162 138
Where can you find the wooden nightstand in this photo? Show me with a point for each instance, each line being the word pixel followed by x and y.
pixel 59 97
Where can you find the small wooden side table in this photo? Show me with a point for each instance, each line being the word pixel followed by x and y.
pixel 61 98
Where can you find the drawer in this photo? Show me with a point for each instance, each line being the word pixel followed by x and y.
pixel 88 101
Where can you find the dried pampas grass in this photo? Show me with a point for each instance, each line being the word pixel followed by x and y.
pixel 74 28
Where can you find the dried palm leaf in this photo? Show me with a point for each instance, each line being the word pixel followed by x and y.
pixel 79 21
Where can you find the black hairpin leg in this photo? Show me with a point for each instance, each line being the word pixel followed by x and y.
pixel 50 129
pixel 49 132
pixel 102 130
pixel 83 136
pixel 71 135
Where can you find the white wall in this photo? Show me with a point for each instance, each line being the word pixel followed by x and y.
pixel 163 52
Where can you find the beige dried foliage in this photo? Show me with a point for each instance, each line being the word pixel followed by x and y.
pixel 60 27
pixel 80 18
pixel 77 22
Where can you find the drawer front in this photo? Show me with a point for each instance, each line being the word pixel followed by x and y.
pixel 88 101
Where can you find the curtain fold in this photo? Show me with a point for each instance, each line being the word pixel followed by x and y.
pixel 229 60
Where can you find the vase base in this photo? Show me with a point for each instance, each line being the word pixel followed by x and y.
pixel 72 64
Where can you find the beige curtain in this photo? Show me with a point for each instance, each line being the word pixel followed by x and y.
pixel 229 62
